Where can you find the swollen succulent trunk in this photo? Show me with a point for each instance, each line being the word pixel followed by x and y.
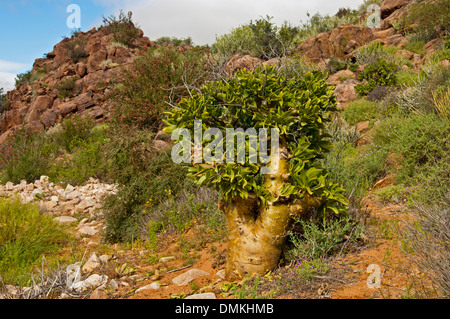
pixel 256 232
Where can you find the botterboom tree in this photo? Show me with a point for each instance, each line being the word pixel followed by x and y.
pixel 259 207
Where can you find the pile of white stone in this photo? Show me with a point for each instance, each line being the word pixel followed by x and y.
pixel 61 201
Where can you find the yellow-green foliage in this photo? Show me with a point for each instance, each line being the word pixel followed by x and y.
pixel 25 235
pixel 297 106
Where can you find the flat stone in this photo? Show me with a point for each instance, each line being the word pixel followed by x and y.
pixel 9 186
pixel 113 285
pixel 86 203
pixel 96 280
pixel 51 204
pixel 92 264
pixel 154 286
pixel 65 220
pixel 221 274
pixel 166 259
pixel 69 188
pixel 73 195
pixel 207 295
pixel 72 202
pixel 92 282
pixel 87 230
pixel 189 276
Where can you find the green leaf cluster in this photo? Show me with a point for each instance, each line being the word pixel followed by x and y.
pixel 381 73
pixel 297 107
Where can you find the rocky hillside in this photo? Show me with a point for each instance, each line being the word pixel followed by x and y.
pixel 74 76
pixel 70 79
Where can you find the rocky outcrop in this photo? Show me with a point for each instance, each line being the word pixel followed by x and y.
pixel 239 62
pixel 337 43
pixel 73 78
pixel 389 6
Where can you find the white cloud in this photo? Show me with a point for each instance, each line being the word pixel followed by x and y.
pixel 8 72
pixel 204 19
pixel 7 81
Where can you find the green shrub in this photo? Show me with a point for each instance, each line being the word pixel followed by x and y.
pixel 296 66
pixel 425 240
pixel 122 27
pixel 407 78
pixel 381 73
pixel 260 38
pixel 416 45
pixel 336 65
pixel 26 155
pixel 361 110
pixel 25 236
pixel 143 176
pixel 240 40
pixel 84 162
pixel 159 76
pixel 3 102
pixel 375 51
pixel 23 78
pixel 315 240
pixel 179 211
pixel 398 194
pixel 424 149
pixel 76 49
pixel 357 169
pixel 427 19
pixel 66 88
pixel 175 41
pixel 428 90
pixel 74 131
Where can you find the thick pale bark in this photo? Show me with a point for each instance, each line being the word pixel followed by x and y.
pixel 256 233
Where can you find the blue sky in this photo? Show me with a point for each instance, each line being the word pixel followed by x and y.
pixel 30 28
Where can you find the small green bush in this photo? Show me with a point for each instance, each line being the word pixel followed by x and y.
pixel 336 65
pixel 74 131
pixel 321 240
pixel 179 211
pixel 423 145
pixel 175 41
pixel 381 73
pixel 416 45
pixel 407 78
pixel 260 38
pixel 66 87
pixel 430 84
pixel 375 51
pixel 427 19
pixel 76 49
pixel 123 29
pixel 3 102
pixel 361 110
pixel 84 162
pixel 295 66
pixel 26 155
pixel 398 194
pixel 380 93
pixel 158 77
pixel 23 78
pixel 142 175
pixel 25 236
